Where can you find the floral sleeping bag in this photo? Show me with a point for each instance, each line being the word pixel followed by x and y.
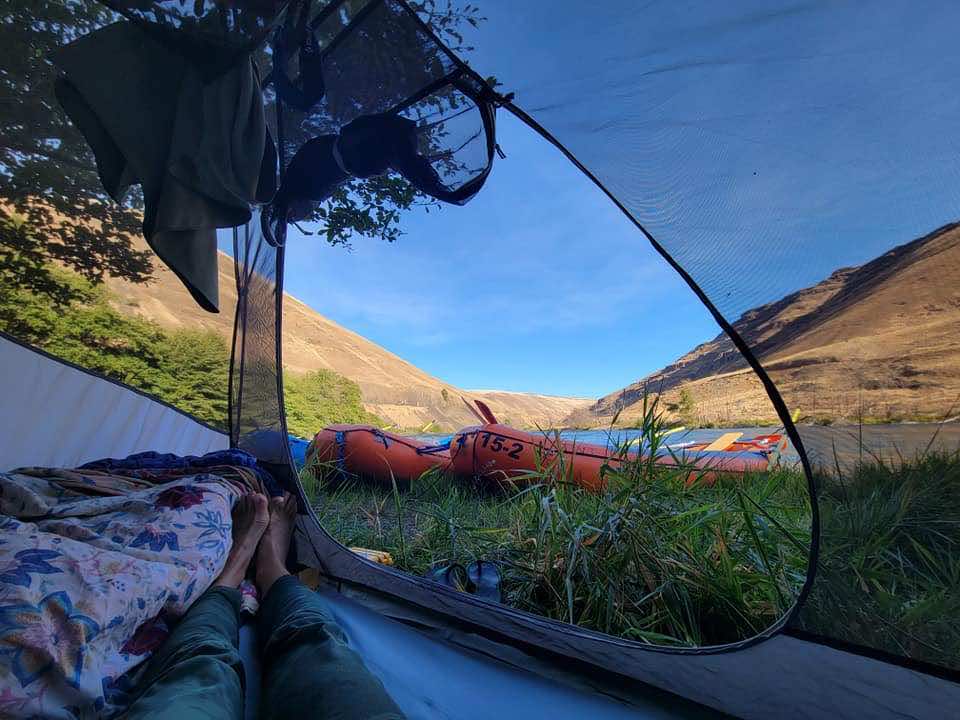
pixel 92 565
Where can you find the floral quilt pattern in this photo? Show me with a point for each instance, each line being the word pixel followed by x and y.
pixel 88 581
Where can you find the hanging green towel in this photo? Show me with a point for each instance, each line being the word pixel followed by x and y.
pixel 198 147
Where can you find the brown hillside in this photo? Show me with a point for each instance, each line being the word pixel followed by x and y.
pixel 391 387
pixel 879 341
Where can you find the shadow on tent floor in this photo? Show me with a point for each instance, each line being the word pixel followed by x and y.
pixel 429 679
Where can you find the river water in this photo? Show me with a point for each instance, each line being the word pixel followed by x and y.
pixel 675 441
pixel 846 443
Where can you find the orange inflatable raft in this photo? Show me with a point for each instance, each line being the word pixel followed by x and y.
pixel 498 453
pixel 375 454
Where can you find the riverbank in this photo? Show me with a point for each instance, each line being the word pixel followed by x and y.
pixel 657 561
pixel 653 558
pixel 653 561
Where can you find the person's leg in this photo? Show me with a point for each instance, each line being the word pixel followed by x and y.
pixel 197 672
pixel 309 671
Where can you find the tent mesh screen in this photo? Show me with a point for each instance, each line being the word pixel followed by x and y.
pixel 376 58
pixel 256 410
pixel 796 162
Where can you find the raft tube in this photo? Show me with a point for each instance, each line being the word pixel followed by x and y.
pixel 502 454
pixel 374 454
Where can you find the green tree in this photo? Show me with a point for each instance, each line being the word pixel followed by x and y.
pixel 317 399
pixel 48 174
pixel 197 362
pixel 43 157
pixel 186 368
pixel 687 407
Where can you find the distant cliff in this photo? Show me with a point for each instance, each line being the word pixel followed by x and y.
pixel 878 341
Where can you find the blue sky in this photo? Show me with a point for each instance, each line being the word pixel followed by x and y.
pixel 763 144
pixel 763 147
pixel 538 284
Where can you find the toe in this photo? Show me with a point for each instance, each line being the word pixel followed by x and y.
pixel 261 508
pixel 242 505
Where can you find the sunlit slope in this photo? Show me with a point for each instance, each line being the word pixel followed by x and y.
pixel 878 341
pixel 391 387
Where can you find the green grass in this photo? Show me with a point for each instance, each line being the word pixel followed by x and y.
pixel 889 571
pixel 651 558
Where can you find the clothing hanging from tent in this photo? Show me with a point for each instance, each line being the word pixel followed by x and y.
pixel 198 147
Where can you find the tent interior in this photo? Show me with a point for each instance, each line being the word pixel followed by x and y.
pixel 789 166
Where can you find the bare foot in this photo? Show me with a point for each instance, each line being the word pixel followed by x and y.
pixel 272 553
pixel 250 519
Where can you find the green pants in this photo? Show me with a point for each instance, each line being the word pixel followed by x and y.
pixel 308 669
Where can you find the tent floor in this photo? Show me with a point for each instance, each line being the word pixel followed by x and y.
pixel 430 679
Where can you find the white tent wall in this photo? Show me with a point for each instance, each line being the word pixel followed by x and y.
pixel 57 415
